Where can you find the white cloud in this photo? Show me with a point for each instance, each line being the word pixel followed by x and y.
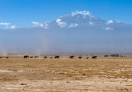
pixel 37 24
pixel 107 28
pixel 110 22
pixel 7 25
pixel 91 23
pixel 13 27
pixel 73 25
pixel 60 23
pixel 58 20
pixel 4 24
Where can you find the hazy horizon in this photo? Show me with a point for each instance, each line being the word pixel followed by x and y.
pixel 65 27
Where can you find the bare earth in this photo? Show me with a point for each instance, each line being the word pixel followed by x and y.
pixel 66 75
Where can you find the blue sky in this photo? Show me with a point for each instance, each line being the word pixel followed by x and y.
pixel 20 13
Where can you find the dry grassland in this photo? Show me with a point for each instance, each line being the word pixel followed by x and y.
pixel 66 75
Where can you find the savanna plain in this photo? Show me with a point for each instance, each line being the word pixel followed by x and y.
pixel 103 74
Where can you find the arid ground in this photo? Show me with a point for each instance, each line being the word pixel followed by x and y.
pixel 103 74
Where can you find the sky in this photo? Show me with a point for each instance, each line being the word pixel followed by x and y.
pixel 21 13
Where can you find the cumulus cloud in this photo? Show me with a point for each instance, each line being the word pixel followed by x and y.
pixel 91 23
pixel 73 25
pixel 13 27
pixel 7 25
pixel 107 28
pixel 60 23
pixel 37 24
pixel 110 22
pixel 4 24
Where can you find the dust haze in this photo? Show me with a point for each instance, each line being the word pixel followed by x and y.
pixel 64 41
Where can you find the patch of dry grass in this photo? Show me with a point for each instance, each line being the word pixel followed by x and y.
pixel 65 71
pixel 110 68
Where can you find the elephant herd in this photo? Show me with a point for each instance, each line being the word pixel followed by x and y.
pixel 57 57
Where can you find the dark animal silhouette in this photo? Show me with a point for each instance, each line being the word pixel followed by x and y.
pixel 79 57
pixel 31 56
pixel 57 57
pixel 7 57
pixel 26 56
pixel 45 57
pixel 86 57
pixel 71 57
pixel 94 57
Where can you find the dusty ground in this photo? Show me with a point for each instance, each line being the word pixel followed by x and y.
pixel 66 75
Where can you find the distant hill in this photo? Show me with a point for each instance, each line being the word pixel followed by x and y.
pixel 79 32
